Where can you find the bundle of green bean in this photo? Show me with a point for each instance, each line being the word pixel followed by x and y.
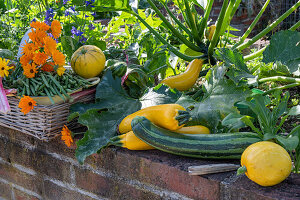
pixel 48 84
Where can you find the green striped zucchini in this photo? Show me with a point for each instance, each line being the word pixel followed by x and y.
pixel 214 146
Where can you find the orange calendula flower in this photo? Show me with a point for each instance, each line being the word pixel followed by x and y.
pixel 48 67
pixel 30 70
pixel 60 71
pixel 40 58
pixel 50 45
pixel 26 59
pixel 58 58
pixel 55 28
pixel 4 67
pixel 26 104
pixel 40 26
pixel 29 48
pixel 37 37
pixel 66 136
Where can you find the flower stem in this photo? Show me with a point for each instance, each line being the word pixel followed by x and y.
pixel 269 28
pixel 216 35
pixel 295 26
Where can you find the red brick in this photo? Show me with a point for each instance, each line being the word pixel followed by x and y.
pixel 5 191
pixel 110 187
pixel 19 195
pixel 20 178
pixel 53 191
pixel 39 161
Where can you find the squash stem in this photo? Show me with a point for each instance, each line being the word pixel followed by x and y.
pixel 280 78
pixel 176 20
pixel 204 20
pixel 241 170
pixel 216 35
pixel 269 28
pixel 250 28
pixel 172 29
pixel 192 22
pixel 173 49
pixel 281 88
pixel 226 21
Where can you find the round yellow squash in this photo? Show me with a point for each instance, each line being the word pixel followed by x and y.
pixel 267 163
pixel 88 61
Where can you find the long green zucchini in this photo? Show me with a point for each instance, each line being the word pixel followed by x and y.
pixel 214 146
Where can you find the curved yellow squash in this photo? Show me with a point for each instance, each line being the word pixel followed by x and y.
pixel 88 61
pixel 161 115
pixel 267 163
pixel 187 79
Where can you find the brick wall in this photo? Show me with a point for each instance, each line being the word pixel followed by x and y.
pixel 31 169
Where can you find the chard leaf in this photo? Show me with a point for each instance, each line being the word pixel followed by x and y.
pixel 284 47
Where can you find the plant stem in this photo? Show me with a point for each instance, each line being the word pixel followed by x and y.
pixel 234 9
pixel 173 49
pixel 191 22
pixel 204 20
pixel 172 29
pixel 250 28
pixel 269 28
pixel 176 20
pixel 282 88
pixel 227 17
pixel 295 26
pixel 255 54
pixel 215 37
pixel 280 78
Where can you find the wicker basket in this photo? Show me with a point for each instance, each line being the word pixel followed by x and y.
pixel 43 122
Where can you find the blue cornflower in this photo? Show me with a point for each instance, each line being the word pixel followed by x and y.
pixel 76 32
pixel 73 8
pixel 89 3
pixel 93 14
pixel 65 2
pixel 91 26
pixel 86 16
pixel 67 13
pixel 49 16
pixel 83 39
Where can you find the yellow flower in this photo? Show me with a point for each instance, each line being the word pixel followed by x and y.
pixel 40 58
pixel 50 45
pixel 26 104
pixel 4 67
pixel 66 136
pixel 60 71
pixel 55 28
pixel 58 58
pixel 29 70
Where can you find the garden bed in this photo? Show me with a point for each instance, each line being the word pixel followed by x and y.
pixel 34 169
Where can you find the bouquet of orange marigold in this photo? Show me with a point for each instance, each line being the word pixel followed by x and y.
pixel 40 70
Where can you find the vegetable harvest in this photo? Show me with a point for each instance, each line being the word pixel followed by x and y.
pixel 130 141
pixel 187 79
pixel 169 116
pixel 266 163
pixel 215 146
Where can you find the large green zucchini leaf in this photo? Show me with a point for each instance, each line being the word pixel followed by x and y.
pixel 285 47
pixel 218 101
pixel 111 106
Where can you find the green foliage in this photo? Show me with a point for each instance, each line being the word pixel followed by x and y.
pixel 284 47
